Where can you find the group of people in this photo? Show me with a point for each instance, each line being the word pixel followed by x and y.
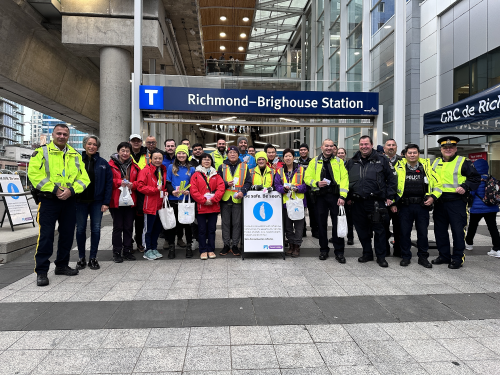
pixel 374 186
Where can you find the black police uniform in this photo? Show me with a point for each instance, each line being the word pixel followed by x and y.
pixel 311 207
pixel 372 180
pixel 394 216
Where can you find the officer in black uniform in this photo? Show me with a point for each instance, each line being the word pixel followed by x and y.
pixel 372 187
pixel 390 150
pixel 458 176
pixel 304 160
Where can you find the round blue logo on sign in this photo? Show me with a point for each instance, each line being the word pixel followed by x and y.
pixel 263 211
pixel 12 188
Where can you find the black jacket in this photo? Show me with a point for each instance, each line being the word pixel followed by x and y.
pixel 376 179
pixel 304 163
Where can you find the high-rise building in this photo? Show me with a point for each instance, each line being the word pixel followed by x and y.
pixel 11 124
pixel 36 127
pixel 75 138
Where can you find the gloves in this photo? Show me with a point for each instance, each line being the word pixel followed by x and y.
pixel 257 187
pixel 269 189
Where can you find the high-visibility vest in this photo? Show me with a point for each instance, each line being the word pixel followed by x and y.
pixel 313 174
pixel 450 173
pixel 297 179
pixel 240 174
pixel 218 159
pixel 142 161
pixel 50 167
pixel 433 187
pixel 258 179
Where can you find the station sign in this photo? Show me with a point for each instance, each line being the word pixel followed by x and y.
pixel 188 99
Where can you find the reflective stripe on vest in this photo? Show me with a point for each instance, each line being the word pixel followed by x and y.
pixel 298 179
pixel 47 168
pixel 263 180
pixel 226 172
pixel 457 177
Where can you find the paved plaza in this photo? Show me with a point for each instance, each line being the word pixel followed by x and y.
pixel 262 315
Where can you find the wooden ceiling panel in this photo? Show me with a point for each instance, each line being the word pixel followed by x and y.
pixel 233 26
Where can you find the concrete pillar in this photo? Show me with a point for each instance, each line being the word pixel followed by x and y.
pixel 114 118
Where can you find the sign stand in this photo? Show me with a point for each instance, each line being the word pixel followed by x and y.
pixel 263 219
pixel 16 207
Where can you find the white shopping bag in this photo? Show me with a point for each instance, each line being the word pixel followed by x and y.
pixel 341 223
pixel 295 208
pixel 186 211
pixel 167 215
pixel 125 199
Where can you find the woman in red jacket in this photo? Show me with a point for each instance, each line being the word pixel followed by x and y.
pixel 125 173
pixel 152 183
pixel 207 189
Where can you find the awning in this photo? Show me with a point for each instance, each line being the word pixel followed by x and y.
pixel 475 115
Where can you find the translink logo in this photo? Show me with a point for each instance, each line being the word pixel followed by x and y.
pixel 151 97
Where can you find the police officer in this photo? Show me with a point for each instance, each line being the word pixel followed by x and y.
pixel 459 177
pixel 418 188
pixel 304 161
pixel 390 150
pixel 57 173
pixel 372 186
pixel 328 179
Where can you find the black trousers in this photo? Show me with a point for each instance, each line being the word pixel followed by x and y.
pixel 396 229
pixel 450 214
pixel 313 215
pixel 350 224
pixel 361 211
pixel 139 226
pixel 491 223
pixel 420 215
pixel 123 227
pixel 51 211
pixel 327 205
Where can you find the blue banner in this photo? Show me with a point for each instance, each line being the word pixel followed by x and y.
pixel 187 99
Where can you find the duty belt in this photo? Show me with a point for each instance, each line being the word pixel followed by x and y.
pixel 412 200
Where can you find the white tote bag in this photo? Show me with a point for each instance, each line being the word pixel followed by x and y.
pixel 295 208
pixel 125 199
pixel 341 223
pixel 167 215
pixel 186 211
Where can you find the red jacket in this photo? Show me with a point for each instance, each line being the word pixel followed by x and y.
pixel 199 189
pixel 117 182
pixel 148 185
pixel 276 167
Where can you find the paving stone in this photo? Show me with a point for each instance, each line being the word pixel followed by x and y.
pixel 21 361
pixel 204 358
pixel 64 362
pixel 476 328
pixel 88 295
pixel 298 355
pixel 272 311
pixel 213 293
pixel 249 335
pixel 8 338
pixel 467 349
pixel 370 331
pixel 484 366
pixel 404 331
pixel 39 340
pixel 243 292
pixel 21 296
pixel 253 357
pixel 220 312
pixel 275 371
pixel 342 354
pixel 201 336
pixel 55 297
pixel 447 368
pixel 354 370
pixel 328 333
pixel 113 361
pixel 441 330
pixel 161 359
pixel 427 350
pixel 330 291
pixel 472 306
pixel 125 338
pixel 83 339
pixel 385 352
pixel 163 337
pixel 289 334
pixel 191 293
pixel 400 369
pixel 151 295
pixel 306 371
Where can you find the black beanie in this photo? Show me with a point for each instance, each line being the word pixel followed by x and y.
pixel 304 145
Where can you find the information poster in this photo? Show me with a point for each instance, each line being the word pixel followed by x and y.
pixel 18 207
pixel 263 222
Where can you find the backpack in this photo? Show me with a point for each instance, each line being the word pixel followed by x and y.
pixel 491 191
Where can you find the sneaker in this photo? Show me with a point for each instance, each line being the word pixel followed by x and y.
pixel 195 245
pixel 236 251
pixel 498 254
pixel 493 253
pixel 117 258
pixel 469 247
pixel 93 264
pixel 224 250
pixel 157 254
pixel 181 243
pixel 128 256
pixel 81 264
pixel 203 256
pixel 149 255
pixel 212 255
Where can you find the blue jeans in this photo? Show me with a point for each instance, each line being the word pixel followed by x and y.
pixel 207 224
pixel 83 210
pixel 152 230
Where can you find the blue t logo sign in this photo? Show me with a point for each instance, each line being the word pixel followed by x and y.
pixel 151 97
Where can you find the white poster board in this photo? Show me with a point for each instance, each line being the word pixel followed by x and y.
pixel 263 222
pixel 18 208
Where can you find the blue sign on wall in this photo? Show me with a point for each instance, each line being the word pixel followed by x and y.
pixel 188 99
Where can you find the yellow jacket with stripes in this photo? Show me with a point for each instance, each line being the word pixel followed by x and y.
pixel 313 174
pixel 266 180
pixel 434 186
pixel 50 169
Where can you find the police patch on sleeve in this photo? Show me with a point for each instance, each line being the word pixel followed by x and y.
pixel 34 154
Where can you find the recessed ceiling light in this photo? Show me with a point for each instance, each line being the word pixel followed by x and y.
pixel 222 48
pixel 222 18
pixel 222 34
pixel 241 49
pixel 246 19
pixel 243 35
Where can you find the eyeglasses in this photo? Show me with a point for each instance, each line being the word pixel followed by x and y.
pixel 150 143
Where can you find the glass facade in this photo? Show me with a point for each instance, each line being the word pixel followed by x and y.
pixel 11 124
pixel 75 138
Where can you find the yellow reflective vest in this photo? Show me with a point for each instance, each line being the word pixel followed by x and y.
pixel 434 186
pixel 450 173
pixel 313 174
pixel 218 159
pixel 50 169
pixel 258 179
pixel 297 179
pixel 239 174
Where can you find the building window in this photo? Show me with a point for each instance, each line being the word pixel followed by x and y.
pixel 476 75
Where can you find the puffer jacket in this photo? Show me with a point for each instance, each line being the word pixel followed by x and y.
pixel 199 189
pixel 147 184
pixel 478 206
pixel 117 180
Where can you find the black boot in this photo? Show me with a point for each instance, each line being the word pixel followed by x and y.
pixel 66 271
pixel 189 250
pixel 81 264
pixel 93 264
pixel 171 252
pixel 42 279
